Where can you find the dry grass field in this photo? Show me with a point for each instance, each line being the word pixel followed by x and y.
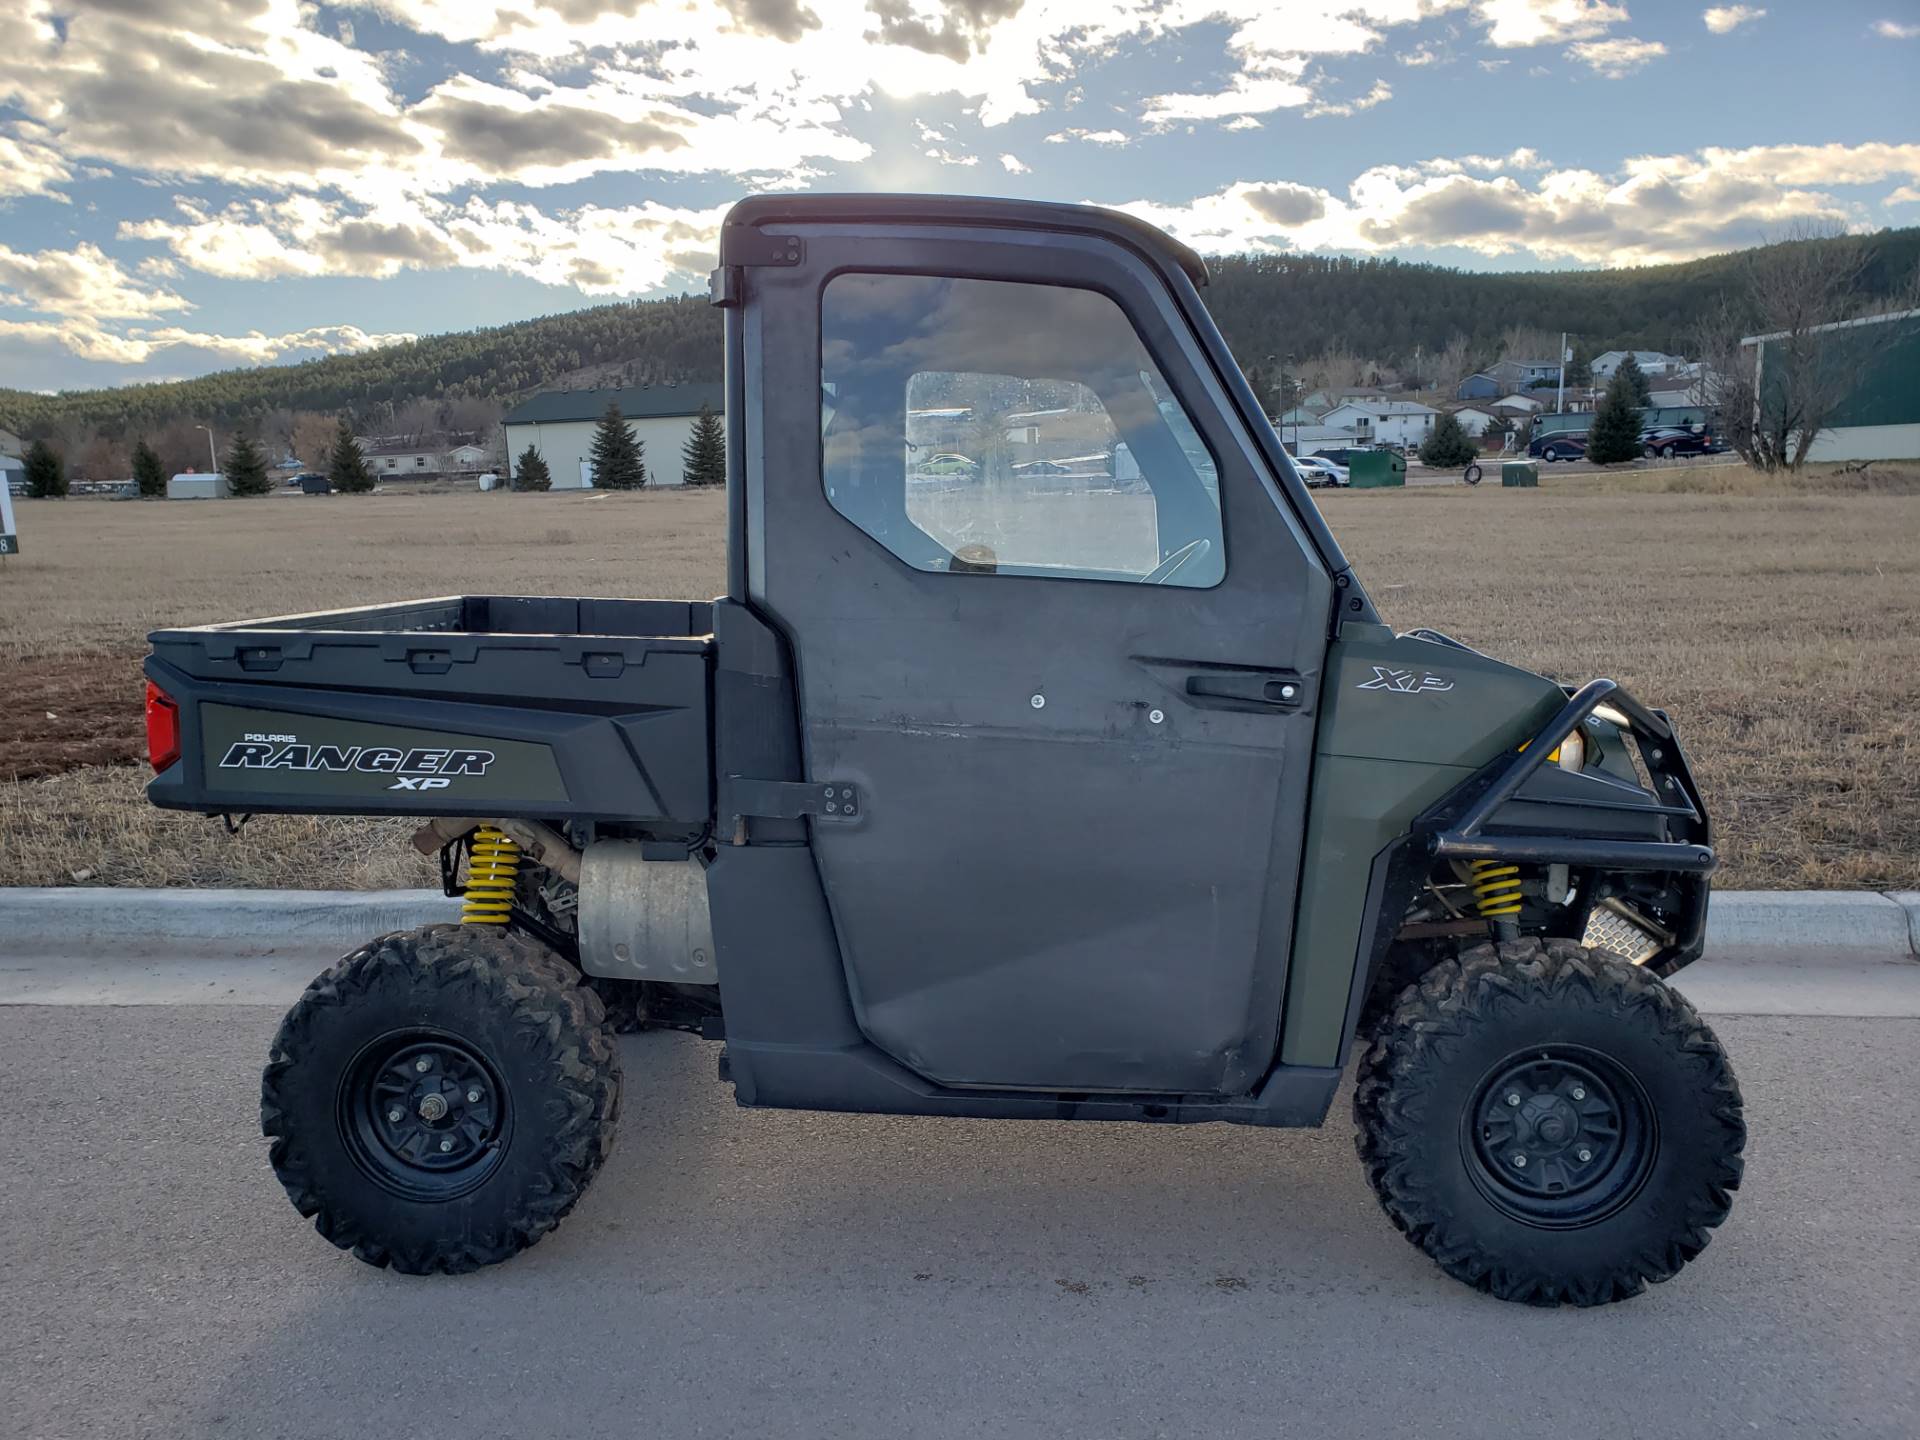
pixel 1779 620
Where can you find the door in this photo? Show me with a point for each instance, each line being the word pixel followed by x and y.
pixel 1054 618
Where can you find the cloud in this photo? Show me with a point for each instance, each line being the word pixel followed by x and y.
pixel 1014 165
pixel 1895 29
pixel 784 20
pixel 1653 209
pixel 1616 58
pixel 1381 91
pixel 1724 19
pixel 137 347
pixel 30 169
pixel 1092 137
pixel 84 281
pixel 1515 23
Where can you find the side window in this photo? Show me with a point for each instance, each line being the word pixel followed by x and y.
pixel 994 427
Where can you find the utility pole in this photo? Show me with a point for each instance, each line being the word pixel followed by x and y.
pixel 1291 407
pixel 1561 406
pixel 213 460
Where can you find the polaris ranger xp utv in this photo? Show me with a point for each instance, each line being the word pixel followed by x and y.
pixel 1044 759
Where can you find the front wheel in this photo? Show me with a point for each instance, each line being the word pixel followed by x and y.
pixel 1549 1123
pixel 439 1099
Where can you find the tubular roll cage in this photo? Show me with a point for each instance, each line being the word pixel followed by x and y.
pixel 1464 836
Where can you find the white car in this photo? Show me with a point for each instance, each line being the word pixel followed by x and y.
pixel 1319 473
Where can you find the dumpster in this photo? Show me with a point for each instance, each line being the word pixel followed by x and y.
pixel 1371 469
pixel 1521 474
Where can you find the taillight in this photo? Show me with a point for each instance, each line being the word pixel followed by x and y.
pixel 163 728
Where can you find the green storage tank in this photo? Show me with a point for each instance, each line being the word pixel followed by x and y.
pixel 1371 469
pixel 1520 474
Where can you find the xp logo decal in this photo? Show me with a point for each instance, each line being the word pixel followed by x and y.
pixel 416 769
pixel 1404 681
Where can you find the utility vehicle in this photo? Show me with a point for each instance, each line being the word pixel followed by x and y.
pixel 1010 794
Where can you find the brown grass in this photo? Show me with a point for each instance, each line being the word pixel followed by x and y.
pixel 1778 619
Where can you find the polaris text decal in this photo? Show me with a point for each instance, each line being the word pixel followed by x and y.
pixel 1404 681
pixel 417 769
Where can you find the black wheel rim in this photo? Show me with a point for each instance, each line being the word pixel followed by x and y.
pixel 424 1114
pixel 1559 1136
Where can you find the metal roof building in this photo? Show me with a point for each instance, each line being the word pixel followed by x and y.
pixel 559 424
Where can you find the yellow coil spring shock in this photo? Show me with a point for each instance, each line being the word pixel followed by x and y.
pixel 490 874
pixel 1496 889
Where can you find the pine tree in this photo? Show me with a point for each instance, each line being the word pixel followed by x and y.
pixel 705 454
pixel 149 475
pixel 347 468
pixel 246 468
pixel 1615 435
pixel 530 471
pixel 46 472
pixel 617 456
pixel 1638 388
pixel 1448 444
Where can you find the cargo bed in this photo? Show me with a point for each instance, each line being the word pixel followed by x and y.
pixel 504 705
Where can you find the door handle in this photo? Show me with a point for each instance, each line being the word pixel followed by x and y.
pixel 1245 689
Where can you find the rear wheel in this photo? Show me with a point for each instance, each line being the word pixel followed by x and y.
pixel 1549 1123
pixel 441 1098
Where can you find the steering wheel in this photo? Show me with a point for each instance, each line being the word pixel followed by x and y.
pixel 1168 567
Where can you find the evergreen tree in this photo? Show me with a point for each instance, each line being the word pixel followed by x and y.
pixel 616 455
pixel 347 468
pixel 246 468
pixel 705 453
pixel 530 471
pixel 1448 445
pixel 148 473
pixel 1637 386
pixel 46 472
pixel 1615 435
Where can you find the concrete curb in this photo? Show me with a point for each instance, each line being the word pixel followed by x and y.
pixel 1762 924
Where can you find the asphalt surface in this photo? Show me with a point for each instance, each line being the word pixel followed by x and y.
pixel 736 1272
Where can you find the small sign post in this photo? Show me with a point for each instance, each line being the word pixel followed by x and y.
pixel 9 536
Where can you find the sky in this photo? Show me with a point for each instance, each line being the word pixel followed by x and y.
pixel 190 185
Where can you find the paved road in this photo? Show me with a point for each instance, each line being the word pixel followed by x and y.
pixel 737 1273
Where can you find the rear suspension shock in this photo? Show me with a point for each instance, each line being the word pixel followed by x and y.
pixel 1496 889
pixel 491 871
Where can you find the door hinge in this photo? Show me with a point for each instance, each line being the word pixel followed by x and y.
pixel 792 799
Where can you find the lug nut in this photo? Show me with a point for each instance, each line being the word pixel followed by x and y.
pixel 1513 1097
pixel 473 1097
pixel 445 1146
pixel 1584 1154
pixel 1579 1092
pixel 421 1064
pixel 396 1114
pixel 1519 1162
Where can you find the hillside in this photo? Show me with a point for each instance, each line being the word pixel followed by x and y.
pixel 1383 311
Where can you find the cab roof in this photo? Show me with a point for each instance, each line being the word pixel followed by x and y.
pixel 983 211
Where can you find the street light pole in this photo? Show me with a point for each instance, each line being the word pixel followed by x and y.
pixel 1286 400
pixel 213 460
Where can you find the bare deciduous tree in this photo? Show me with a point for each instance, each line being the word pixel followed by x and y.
pixel 1777 396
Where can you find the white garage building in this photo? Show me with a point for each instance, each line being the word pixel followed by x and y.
pixel 559 424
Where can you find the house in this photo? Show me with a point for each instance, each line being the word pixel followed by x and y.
pixel 1675 391
pixel 1480 385
pixel 1475 421
pixel 469 459
pixel 1521 374
pixel 1518 404
pixel 1301 415
pixel 1651 363
pixel 1880 417
pixel 1384 422
pixel 559 424
pixel 385 458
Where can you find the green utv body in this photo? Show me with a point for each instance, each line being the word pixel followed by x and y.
pixel 1075 781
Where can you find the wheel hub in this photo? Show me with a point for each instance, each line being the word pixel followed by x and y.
pixel 1558 1136
pixel 424 1114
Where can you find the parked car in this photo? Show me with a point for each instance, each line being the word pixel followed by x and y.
pixel 948 464
pixel 1320 472
pixel 1669 440
pixel 1562 446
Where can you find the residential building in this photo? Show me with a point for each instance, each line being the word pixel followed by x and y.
pixel 560 423
pixel 1474 420
pixel 469 459
pixel 1301 415
pixel 387 459
pixel 1518 404
pixel 1677 390
pixel 1520 374
pixel 1312 439
pixel 1480 385
pixel 1384 422
pixel 1651 363
pixel 1880 417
